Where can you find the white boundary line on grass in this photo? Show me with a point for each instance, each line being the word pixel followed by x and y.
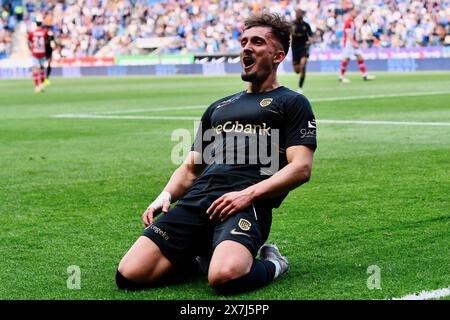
pixel 158 109
pixel 379 96
pixel 116 113
pixel 176 118
pixel 426 295
pixel 390 123
pixel 97 116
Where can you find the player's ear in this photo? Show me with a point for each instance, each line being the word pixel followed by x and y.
pixel 279 56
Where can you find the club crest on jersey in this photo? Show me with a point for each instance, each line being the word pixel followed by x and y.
pixel 265 102
pixel 245 225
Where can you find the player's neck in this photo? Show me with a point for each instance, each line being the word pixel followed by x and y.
pixel 270 84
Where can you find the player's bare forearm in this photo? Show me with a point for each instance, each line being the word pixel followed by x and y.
pixel 184 176
pixel 295 173
pixel 290 177
pixel 179 184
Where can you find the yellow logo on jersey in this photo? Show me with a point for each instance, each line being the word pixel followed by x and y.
pixel 265 102
pixel 245 225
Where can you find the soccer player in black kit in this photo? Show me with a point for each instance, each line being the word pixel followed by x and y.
pixel 224 208
pixel 49 46
pixel 302 38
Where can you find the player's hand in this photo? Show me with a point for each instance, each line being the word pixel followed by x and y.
pixel 229 204
pixel 161 203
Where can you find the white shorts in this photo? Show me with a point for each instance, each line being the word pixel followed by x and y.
pixel 39 62
pixel 349 52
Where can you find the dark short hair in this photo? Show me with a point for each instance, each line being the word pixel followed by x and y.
pixel 280 27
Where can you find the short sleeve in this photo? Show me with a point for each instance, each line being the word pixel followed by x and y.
pixel 205 124
pixel 300 123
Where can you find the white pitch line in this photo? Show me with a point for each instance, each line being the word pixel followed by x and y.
pixel 426 295
pixel 393 123
pixel 152 110
pixel 390 123
pixel 94 116
pixel 379 96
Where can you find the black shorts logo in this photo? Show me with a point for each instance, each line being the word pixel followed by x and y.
pixel 245 225
pixel 158 231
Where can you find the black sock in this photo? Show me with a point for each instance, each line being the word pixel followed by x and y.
pixel 300 83
pixel 49 70
pixel 260 275
pixel 124 283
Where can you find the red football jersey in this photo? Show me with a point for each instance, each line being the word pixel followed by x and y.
pixel 36 42
pixel 349 32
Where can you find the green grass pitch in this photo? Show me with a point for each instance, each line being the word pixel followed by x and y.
pixel 72 190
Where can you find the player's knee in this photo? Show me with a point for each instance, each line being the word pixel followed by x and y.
pixel 218 277
pixel 128 272
pixel 225 273
pixel 226 280
pixel 129 277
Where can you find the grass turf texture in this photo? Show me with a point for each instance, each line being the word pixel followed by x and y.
pixel 72 190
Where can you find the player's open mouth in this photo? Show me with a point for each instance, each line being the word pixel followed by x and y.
pixel 248 62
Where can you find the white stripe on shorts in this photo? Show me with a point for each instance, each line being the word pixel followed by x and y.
pixel 254 211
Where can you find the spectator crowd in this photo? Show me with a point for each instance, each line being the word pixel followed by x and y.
pixel 83 27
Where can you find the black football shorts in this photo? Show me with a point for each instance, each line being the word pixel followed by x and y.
pixel 186 232
pixel 298 54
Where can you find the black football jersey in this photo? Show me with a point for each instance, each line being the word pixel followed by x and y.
pixel 243 139
pixel 300 35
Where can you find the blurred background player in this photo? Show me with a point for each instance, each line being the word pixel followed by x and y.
pixel 50 44
pixel 36 42
pixel 351 48
pixel 302 38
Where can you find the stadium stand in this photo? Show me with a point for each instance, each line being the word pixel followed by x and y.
pixel 5 31
pixel 85 28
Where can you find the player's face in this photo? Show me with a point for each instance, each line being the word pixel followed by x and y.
pixel 299 15
pixel 260 54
